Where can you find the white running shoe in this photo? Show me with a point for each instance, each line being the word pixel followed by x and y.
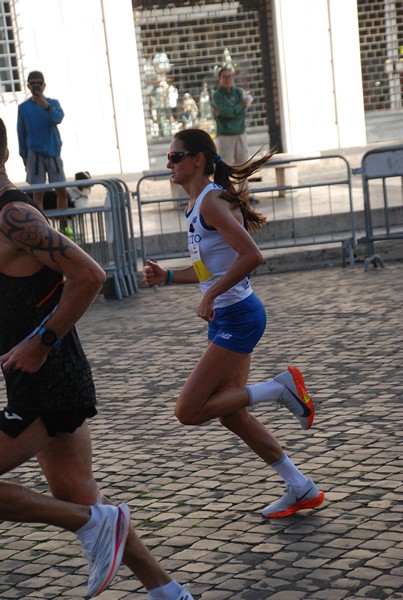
pixel 295 396
pixel 294 500
pixel 104 544
pixel 185 594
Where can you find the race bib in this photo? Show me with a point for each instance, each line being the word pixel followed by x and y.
pixel 203 274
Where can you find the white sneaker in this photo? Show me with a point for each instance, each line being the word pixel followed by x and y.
pixel 104 542
pixel 294 500
pixel 295 396
pixel 185 594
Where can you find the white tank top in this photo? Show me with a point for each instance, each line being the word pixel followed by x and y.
pixel 211 255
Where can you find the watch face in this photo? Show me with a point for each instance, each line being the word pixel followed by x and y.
pixel 48 337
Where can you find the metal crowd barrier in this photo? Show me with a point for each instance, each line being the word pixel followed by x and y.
pixel 313 207
pixel 382 182
pixel 167 238
pixel 105 232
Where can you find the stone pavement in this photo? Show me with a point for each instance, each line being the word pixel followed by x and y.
pixel 196 493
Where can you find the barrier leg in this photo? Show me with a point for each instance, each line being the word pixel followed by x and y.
pixel 376 260
pixel 118 288
pixel 348 250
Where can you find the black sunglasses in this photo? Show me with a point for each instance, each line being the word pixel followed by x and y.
pixel 34 82
pixel 176 157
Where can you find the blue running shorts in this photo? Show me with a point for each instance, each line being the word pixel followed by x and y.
pixel 240 326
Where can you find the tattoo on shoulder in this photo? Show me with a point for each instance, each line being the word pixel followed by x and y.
pixel 24 227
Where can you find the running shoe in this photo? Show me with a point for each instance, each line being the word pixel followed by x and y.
pixel 294 500
pixel 295 396
pixel 185 594
pixel 104 543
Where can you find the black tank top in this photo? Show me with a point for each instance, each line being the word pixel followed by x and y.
pixel 65 380
pixel 25 301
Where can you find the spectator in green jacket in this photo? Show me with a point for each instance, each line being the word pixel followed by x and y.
pixel 230 108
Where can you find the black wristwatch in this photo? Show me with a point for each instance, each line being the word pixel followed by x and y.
pixel 49 337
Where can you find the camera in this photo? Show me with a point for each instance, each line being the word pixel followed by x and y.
pixel 36 88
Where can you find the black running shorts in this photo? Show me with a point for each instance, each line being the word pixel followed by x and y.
pixel 14 422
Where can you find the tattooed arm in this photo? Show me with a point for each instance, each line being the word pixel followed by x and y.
pixel 27 243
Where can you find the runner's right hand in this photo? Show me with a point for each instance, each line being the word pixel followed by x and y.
pixel 153 274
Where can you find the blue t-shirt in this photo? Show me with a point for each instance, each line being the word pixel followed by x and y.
pixel 37 128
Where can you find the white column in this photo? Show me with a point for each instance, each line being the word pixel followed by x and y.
pixel 87 52
pixel 124 73
pixel 319 74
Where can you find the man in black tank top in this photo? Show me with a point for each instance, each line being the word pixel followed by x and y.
pixel 46 284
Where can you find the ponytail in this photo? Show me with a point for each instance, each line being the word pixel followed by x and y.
pixel 233 180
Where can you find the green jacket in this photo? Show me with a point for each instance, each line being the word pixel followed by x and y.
pixel 231 120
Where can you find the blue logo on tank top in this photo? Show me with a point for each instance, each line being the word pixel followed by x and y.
pixel 194 239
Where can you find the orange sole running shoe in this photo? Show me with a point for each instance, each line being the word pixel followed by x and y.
pixel 294 500
pixel 295 396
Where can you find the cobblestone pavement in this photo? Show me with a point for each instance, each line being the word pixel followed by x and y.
pixel 196 493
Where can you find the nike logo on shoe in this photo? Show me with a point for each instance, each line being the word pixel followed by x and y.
pixel 291 502
pixel 11 416
pixel 305 410
pixel 298 499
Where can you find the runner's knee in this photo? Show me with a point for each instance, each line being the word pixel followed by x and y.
pixel 187 414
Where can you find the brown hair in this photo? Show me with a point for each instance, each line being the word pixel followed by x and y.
pixel 233 179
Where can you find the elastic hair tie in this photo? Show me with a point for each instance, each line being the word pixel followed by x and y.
pixel 217 158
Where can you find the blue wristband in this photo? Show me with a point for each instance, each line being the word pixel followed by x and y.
pixel 52 341
pixel 170 277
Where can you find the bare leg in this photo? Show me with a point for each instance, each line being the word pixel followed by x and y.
pixel 67 465
pixel 20 504
pixel 17 503
pixel 216 388
pixel 62 200
pixel 38 199
pixel 254 434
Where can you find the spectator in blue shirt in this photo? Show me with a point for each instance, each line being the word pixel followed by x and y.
pixel 39 138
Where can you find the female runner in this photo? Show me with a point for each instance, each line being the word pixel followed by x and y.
pixel 223 253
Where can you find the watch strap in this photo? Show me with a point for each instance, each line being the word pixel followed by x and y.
pixel 55 344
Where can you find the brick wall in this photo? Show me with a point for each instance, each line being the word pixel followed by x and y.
pixel 194 38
